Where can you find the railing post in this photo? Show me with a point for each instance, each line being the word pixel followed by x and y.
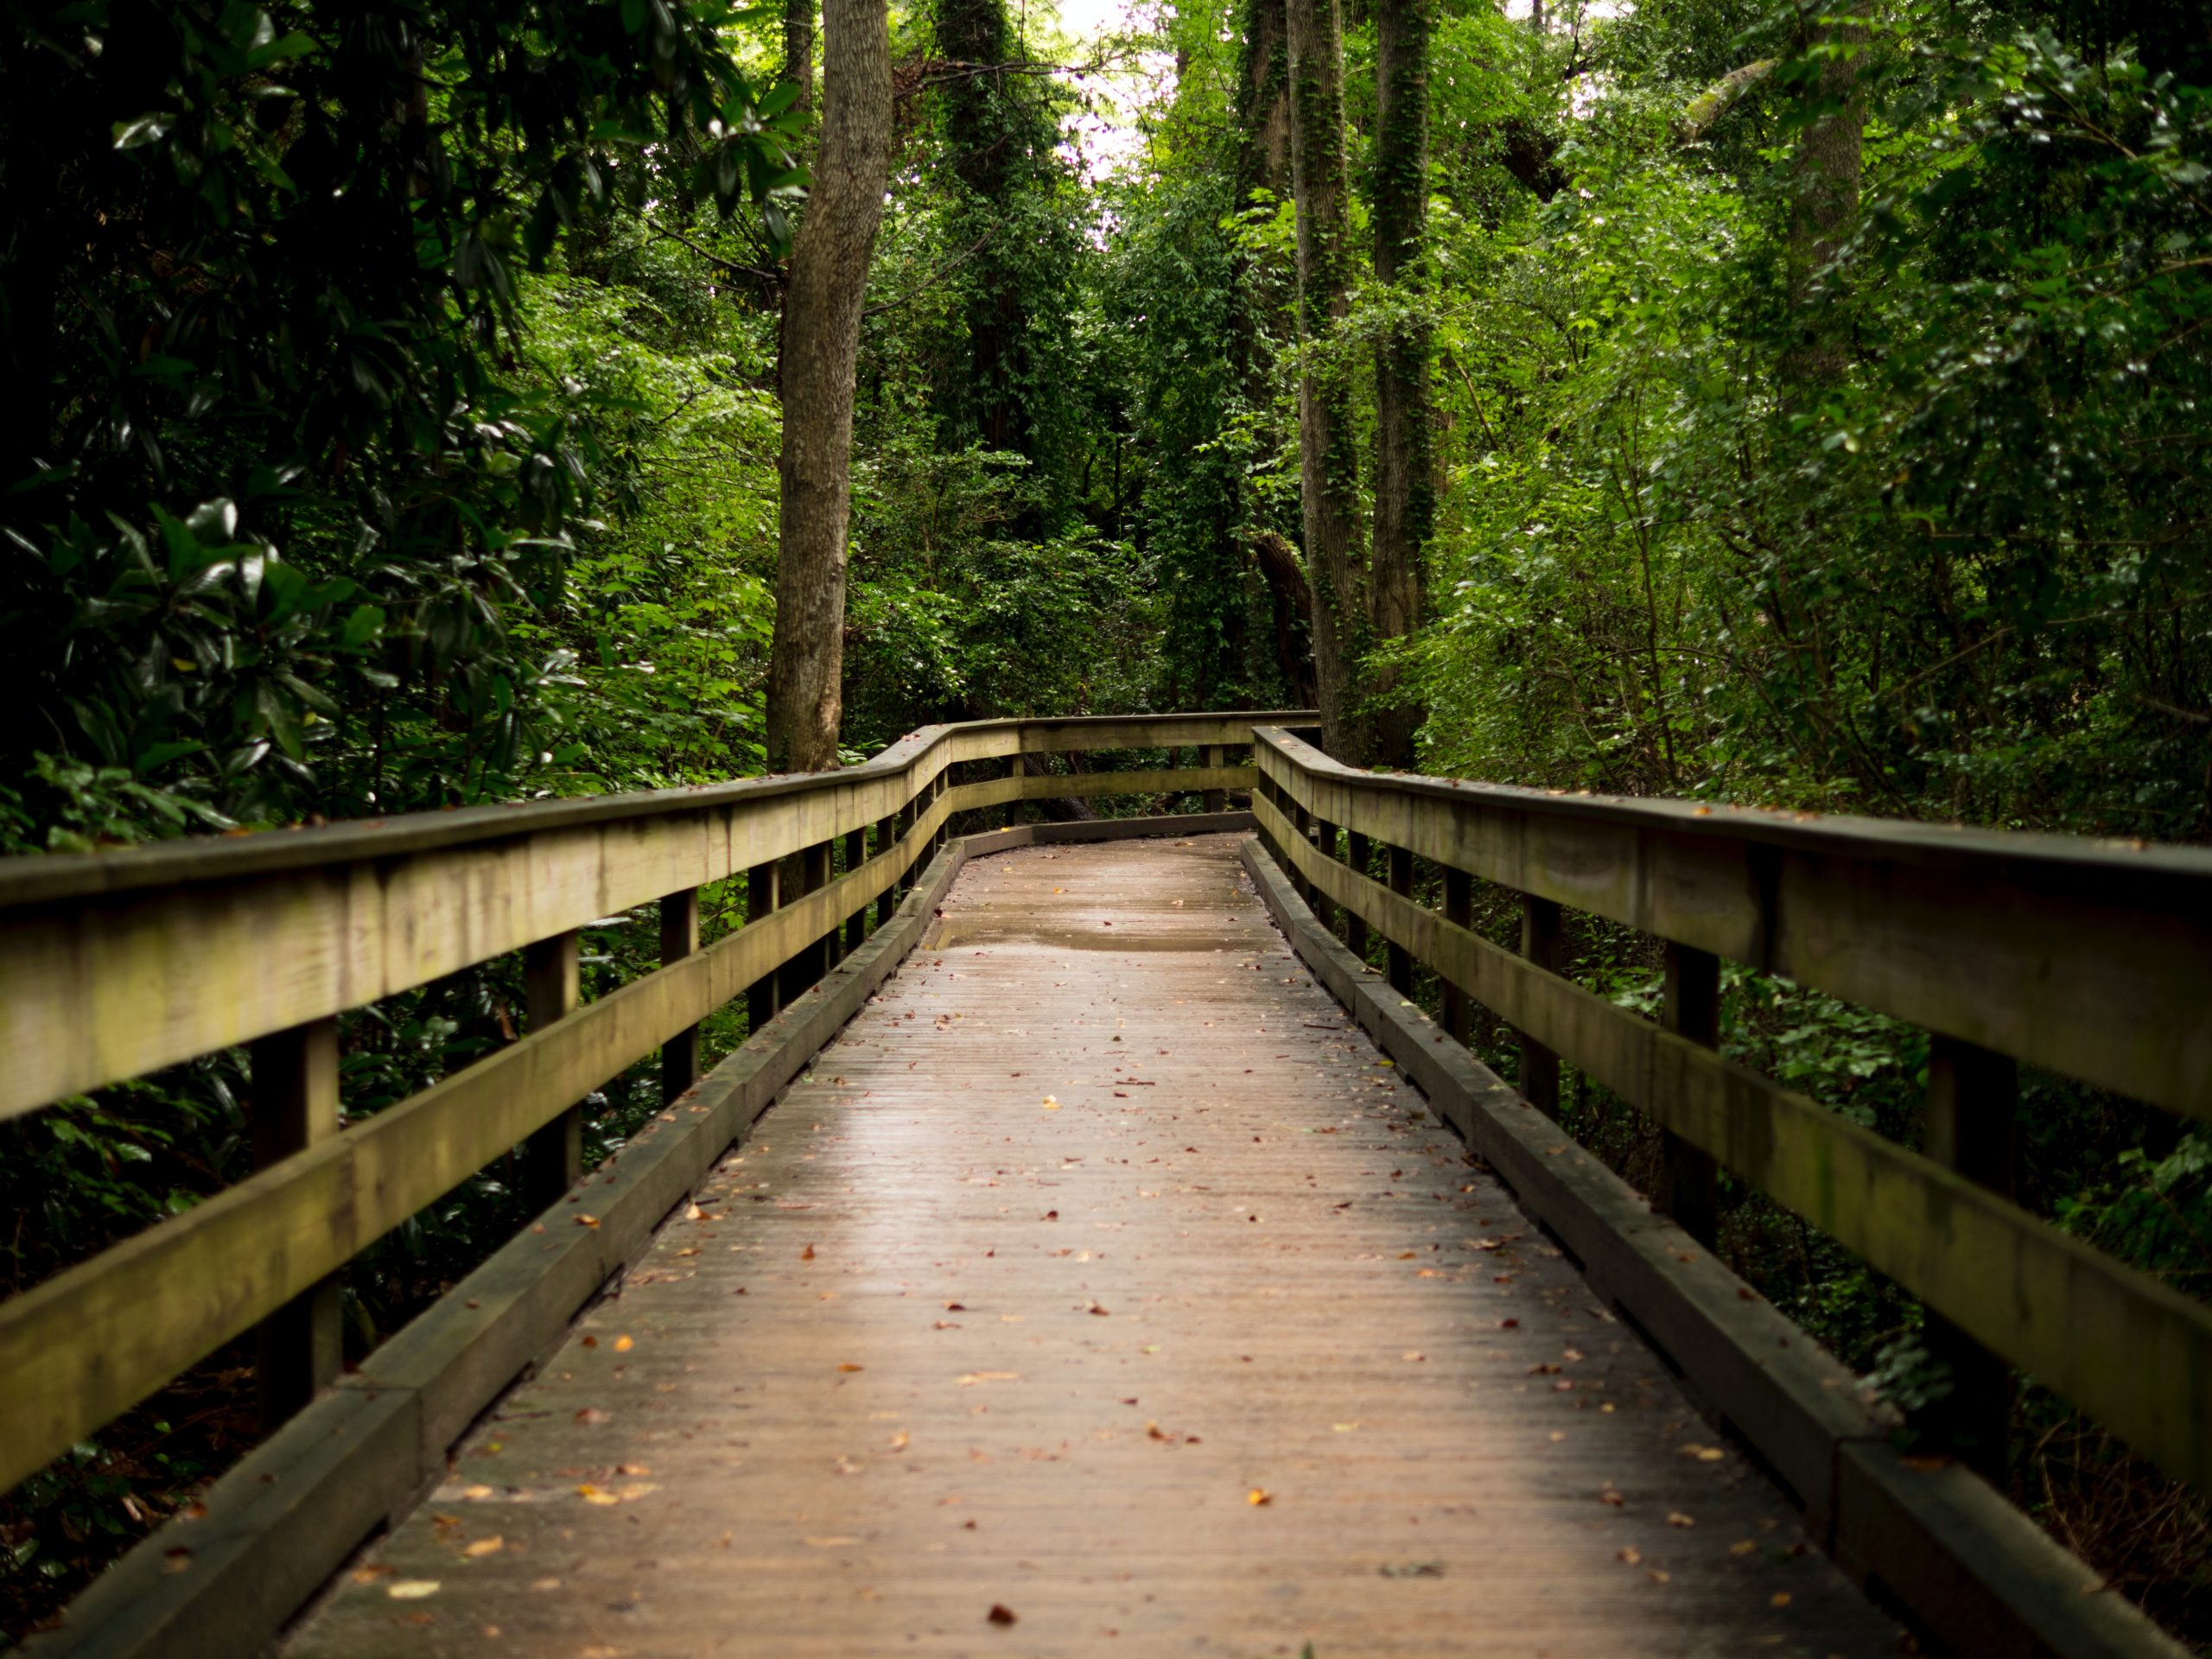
pixel 832 943
pixel 1011 811
pixel 1362 855
pixel 294 1106
pixel 886 832
pixel 1325 838
pixel 1401 960
pixel 1217 800
pixel 1540 944
pixel 1302 822
pixel 855 924
pixel 679 937
pixel 1459 910
pixel 810 962
pixel 763 897
pixel 1688 1183
pixel 552 1159
pixel 1969 1126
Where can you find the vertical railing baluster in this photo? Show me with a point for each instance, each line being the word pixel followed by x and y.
pixel 1302 823
pixel 679 937
pixel 1326 840
pixel 553 1158
pixel 855 924
pixel 763 898
pixel 1970 1126
pixel 810 961
pixel 1459 910
pixel 886 832
pixel 1689 1183
pixel 294 1106
pixel 832 945
pixel 1217 800
pixel 1361 853
pixel 1540 944
pixel 1401 960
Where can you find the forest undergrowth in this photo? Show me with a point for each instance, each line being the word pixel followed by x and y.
pixel 1784 404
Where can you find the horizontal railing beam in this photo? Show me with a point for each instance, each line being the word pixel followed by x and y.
pixel 104 975
pixel 2089 958
pixel 93 1341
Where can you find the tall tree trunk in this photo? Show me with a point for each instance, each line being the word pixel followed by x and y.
pixel 821 345
pixel 1405 489
pixel 1328 458
pixel 1263 103
pixel 1824 193
pixel 799 49
pixel 1243 543
pixel 998 140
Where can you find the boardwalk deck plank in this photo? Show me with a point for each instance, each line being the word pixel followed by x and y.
pixel 1098 1223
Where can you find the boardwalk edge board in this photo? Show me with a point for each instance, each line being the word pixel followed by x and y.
pixel 1938 1544
pixel 270 1535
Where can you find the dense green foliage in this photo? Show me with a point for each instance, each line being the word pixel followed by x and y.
pixel 393 425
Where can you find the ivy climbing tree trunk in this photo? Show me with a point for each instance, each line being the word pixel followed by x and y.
pixel 1263 103
pixel 988 140
pixel 799 50
pixel 1824 199
pixel 821 344
pixel 1336 565
pixel 1263 133
pixel 1405 490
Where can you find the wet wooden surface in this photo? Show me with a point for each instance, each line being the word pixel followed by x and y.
pixel 1100 1278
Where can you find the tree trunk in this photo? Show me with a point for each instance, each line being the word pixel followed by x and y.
pixel 799 49
pixel 1263 103
pixel 1824 197
pixel 1405 490
pixel 1258 297
pixel 1328 460
pixel 821 344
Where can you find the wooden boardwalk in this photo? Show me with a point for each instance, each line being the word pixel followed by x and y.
pixel 1100 1291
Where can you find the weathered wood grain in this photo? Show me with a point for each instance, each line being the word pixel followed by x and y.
pixel 114 965
pixel 1979 1576
pixel 2090 957
pixel 93 1341
pixel 1231 1226
pixel 2064 1312
pixel 223 1578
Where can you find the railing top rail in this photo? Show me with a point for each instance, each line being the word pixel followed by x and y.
pixel 2091 958
pixel 44 879
pixel 1842 834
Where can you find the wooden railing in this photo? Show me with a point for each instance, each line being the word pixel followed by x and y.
pixel 115 965
pixel 2091 959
